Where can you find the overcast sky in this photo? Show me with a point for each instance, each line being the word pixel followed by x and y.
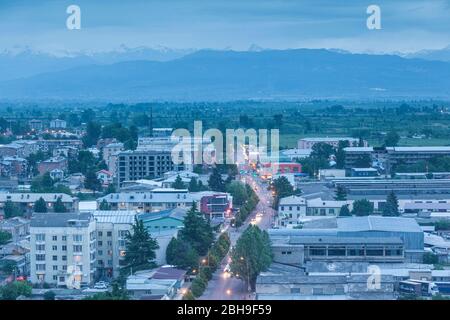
pixel 407 25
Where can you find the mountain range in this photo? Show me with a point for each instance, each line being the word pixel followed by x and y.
pixel 231 75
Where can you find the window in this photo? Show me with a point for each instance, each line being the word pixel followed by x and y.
pixel 290 208
pixel 55 238
pixel 317 291
pixel 64 258
pixel 64 268
pixel 317 251
pixel 40 257
pixel 55 258
pixel 336 251
pixel 40 267
pixel 40 247
pixel 40 237
pixel 109 234
pixel 295 290
pixel 100 243
pixel 55 268
pixel 77 237
pixel 374 252
pixel 62 279
pixel 54 248
pixel 64 248
pixel 55 278
pixel 64 238
pixel 323 212
pixel 77 248
pixel 100 234
pixel 100 252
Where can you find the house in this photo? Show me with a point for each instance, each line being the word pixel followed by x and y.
pixel 162 283
pixel 25 201
pixel 48 165
pixel 13 166
pixel 57 174
pixel 105 177
pixel 18 227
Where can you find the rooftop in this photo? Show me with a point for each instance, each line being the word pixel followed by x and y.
pixel 377 223
pixel 52 220
pixel 115 216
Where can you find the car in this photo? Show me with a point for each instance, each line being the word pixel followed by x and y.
pixel 99 285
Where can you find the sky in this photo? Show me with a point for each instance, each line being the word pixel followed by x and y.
pixel 407 25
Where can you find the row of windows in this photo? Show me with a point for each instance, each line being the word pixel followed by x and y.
pixel 76 248
pixel 75 237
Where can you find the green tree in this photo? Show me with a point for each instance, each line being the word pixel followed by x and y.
pixel 5 237
pixel 93 131
pixel 430 258
pixel 362 207
pixel 40 205
pixel 104 205
pixel 215 181
pixel 391 207
pixel 340 153
pixel 110 189
pixel 14 289
pixel 140 249
pixel 196 231
pixel 340 194
pixel 117 293
pixel 282 188
pixel 392 139
pixel 193 185
pixel 181 254
pixel 322 150
pixel 92 182
pixel 11 210
pixel 251 255
pixel 239 192
pixel 344 212
pixel 59 206
pixel 363 161
pixel 178 183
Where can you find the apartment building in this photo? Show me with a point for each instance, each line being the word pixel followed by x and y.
pixel 136 165
pixel 110 155
pixel 50 164
pixel 151 201
pixel 308 143
pixel 25 201
pixel 112 228
pixel 63 249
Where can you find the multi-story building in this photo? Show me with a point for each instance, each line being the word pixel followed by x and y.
pixel 112 228
pixel 50 145
pixel 151 201
pixel 412 155
pixel 25 201
pixel 308 143
pixel 11 150
pixel 48 165
pixel 13 167
pixel 136 165
pixel 63 249
pixel 36 125
pixel 110 155
pixel 58 124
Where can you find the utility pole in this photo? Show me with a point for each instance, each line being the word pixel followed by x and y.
pixel 151 121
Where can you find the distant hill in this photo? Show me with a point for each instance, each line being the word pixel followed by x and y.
pixel 439 55
pixel 231 75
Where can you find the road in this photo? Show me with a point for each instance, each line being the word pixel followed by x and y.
pixel 221 286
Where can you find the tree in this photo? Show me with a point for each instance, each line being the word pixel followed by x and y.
pixel 239 192
pixel 391 207
pixel 340 153
pixel 196 231
pixel 140 249
pixel 193 185
pixel 181 254
pixel 363 161
pixel 322 150
pixel 14 289
pixel 49 295
pixel 251 255
pixel 92 182
pixel 11 210
pixel 344 212
pixel 93 131
pixel 59 206
pixel 104 205
pixel 40 205
pixel 362 207
pixel 117 293
pixel 430 258
pixel 5 237
pixel 215 181
pixel 392 139
pixel 110 189
pixel 340 194
pixel 282 188
pixel 178 184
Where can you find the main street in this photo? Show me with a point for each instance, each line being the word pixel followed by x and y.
pixel 222 286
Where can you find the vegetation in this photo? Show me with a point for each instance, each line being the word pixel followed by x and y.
pixel 40 206
pixel 140 249
pixel 391 207
pixel 344 212
pixel 282 188
pixel 178 184
pixel 11 210
pixel 362 207
pixel 341 193
pixel 14 289
pixel 251 255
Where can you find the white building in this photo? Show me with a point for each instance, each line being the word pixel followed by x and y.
pixel 63 249
pixel 110 155
pixel 112 228
pixel 308 143
pixel 58 124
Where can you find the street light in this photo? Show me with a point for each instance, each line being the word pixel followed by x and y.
pixel 228 292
